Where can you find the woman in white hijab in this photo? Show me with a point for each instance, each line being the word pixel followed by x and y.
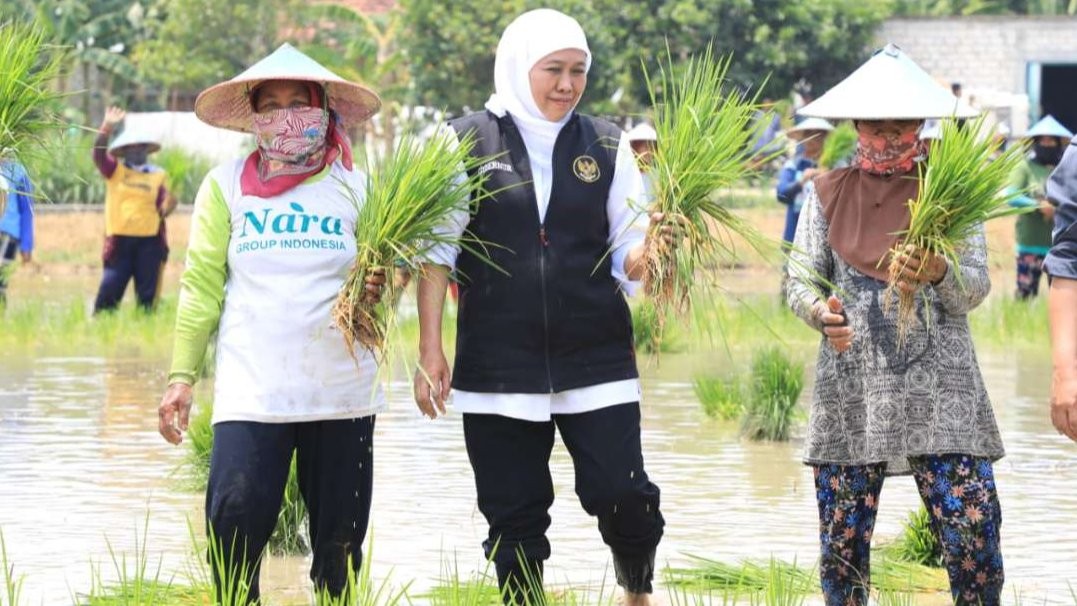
pixel 544 339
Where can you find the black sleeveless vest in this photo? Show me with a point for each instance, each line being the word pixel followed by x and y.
pixel 552 317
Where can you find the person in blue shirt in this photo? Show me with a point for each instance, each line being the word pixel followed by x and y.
pixel 810 135
pixel 16 220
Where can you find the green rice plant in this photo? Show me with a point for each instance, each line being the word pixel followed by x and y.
pixel 961 188
pixel 772 399
pixel 750 578
pixel 362 589
pixel 918 542
pixel 67 174
pixel 890 574
pixel 28 105
pixel 411 195
pixel 63 323
pixel 889 597
pixel 721 398
pixel 705 132
pixel 645 333
pixel 230 579
pixel 185 172
pixel 452 590
pixel 1006 322
pixel 12 583
pixel 840 145
pixel 139 582
pixel 199 439
pixel 290 535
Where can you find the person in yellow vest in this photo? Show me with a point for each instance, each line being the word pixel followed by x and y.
pixel 136 203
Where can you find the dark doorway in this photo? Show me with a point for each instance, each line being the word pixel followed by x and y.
pixel 1058 93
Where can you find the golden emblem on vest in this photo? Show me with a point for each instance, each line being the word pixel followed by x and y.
pixel 586 169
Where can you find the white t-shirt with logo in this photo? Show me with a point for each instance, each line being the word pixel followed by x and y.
pixel 280 357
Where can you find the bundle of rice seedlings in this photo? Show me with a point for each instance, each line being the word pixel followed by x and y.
pixel 27 104
pixel 840 146
pixel 411 195
pixel 771 406
pixel 961 188
pixel 918 542
pixel 705 130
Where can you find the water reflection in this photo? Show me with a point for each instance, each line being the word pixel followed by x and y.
pixel 80 460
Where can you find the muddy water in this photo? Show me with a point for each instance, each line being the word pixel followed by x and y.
pixel 81 467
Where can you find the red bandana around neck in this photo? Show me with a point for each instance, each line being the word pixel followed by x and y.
pixel 266 177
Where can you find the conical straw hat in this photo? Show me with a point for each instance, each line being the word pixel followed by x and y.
pixel 642 132
pixel 807 126
pixel 1049 127
pixel 228 104
pixel 130 136
pixel 889 86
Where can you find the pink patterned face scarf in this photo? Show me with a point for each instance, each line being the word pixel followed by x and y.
pixel 887 153
pixel 292 140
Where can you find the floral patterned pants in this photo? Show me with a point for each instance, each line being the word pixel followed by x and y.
pixel 1029 271
pixel 958 490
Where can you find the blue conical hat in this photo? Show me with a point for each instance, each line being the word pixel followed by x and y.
pixel 228 104
pixel 1049 127
pixel 889 86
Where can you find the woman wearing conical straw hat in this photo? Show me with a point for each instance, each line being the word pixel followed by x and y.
pixel 810 135
pixel 1061 266
pixel 880 408
pixel 272 241
pixel 1049 139
pixel 546 342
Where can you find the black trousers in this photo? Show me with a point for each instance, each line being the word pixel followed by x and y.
pixel 132 257
pixel 248 471
pixel 511 458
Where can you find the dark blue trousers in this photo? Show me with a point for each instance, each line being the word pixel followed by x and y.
pixel 511 461
pixel 248 471
pixel 129 257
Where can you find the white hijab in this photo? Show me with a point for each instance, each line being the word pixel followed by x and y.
pixel 526 40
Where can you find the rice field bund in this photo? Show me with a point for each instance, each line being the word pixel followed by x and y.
pixel 96 509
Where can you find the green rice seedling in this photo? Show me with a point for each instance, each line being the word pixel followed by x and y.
pixel 961 188
pixel 411 195
pixel 918 542
pixel 362 589
pixel 890 574
pixel 200 444
pixel 705 132
pixel 1005 321
pixel 12 582
pixel 28 105
pixel 839 147
pixel 233 577
pixel 721 398
pixel 185 172
pixel 786 586
pixel 772 399
pixel 290 535
pixel 645 333
pixel 744 578
pixel 139 582
pixel 896 598
pixel 452 590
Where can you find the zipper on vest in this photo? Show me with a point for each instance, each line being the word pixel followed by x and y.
pixel 545 243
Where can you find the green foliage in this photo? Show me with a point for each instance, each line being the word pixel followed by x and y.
pixel 185 172
pixel 27 102
pixel 840 145
pixel 918 542
pixel 67 174
pixel 202 42
pixel 772 400
pixel 945 8
pixel 12 589
pixel 721 398
pixel 452 45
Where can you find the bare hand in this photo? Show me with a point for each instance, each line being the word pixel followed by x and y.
pixel 432 383
pixel 174 413
pixel 113 116
pixel 1048 211
pixel 1064 404
pixel 919 267
pixel 835 326
pixel 671 231
pixel 375 282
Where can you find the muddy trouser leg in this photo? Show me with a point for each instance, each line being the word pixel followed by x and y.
pixel 247 474
pixel 8 246
pixel 335 465
pixel 117 273
pixel 848 497
pixel 959 492
pixel 613 486
pixel 147 270
pixel 511 461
